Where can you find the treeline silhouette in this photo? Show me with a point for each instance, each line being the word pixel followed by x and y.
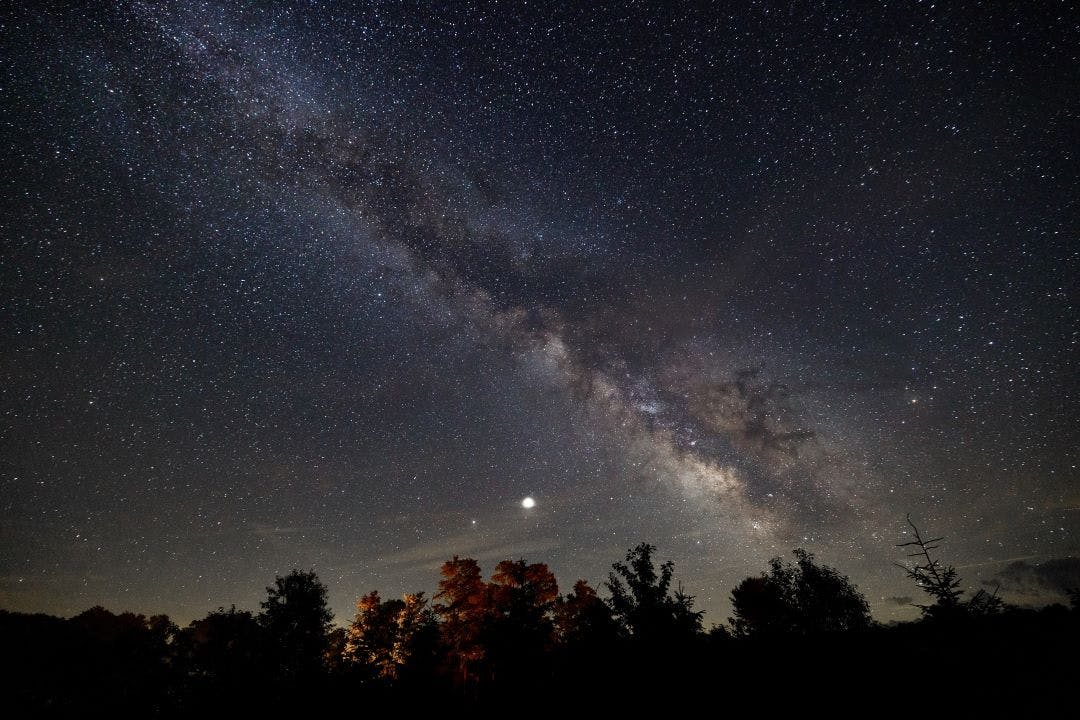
pixel 801 636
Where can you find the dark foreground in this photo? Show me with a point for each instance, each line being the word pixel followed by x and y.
pixel 1019 663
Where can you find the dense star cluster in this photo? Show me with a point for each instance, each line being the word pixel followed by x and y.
pixel 359 287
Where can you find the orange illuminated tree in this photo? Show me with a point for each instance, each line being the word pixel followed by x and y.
pixel 462 606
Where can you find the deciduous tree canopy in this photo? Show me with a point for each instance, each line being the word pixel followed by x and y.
pixel 803 597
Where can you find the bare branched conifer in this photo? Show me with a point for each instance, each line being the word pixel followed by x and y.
pixel 942 583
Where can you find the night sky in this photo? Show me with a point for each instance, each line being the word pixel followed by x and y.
pixel 337 287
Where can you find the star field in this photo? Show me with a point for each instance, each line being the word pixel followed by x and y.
pixel 339 285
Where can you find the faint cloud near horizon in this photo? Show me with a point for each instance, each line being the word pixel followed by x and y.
pixel 1036 584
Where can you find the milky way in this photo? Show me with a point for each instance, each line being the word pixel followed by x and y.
pixel 336 288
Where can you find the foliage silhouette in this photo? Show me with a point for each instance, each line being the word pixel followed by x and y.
pixel 226 655
pixel 514 642
pixel 642 601
pixel 803 597
pixel 520 630
pixel 297 620
pixel 942 583
pixel 225 643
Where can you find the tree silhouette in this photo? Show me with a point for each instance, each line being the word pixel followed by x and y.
pixel 803 597
pixel 520 629
pixel 936 580
pixel 297 620
pixel 121 661
pixel 226 644
pixel 763 604
pixel 642 601
pixel 513 640
pixel 942 583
